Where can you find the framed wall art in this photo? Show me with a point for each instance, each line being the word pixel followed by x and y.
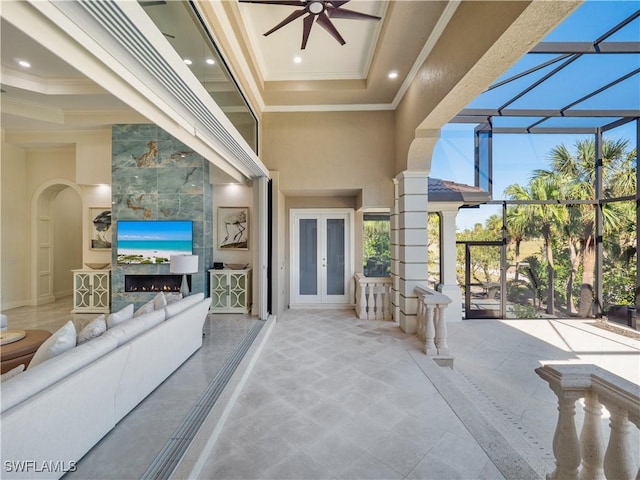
pixel 100 228
pixel 233 228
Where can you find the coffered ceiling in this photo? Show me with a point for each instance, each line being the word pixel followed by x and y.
pixel 329 75
pixel 50 94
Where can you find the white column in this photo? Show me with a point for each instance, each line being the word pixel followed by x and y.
pixel 395 264
pixel 449 282
pixel 412 243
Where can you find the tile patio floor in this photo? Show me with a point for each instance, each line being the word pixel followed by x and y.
pixel 335 397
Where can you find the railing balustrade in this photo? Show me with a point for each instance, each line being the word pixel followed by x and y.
pixel 431 327
pixel 373 297
pixel 587 456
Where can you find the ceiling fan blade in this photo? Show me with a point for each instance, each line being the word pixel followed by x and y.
pixel 289 19
pixel 338 3
pixel 350 14
pixel 324 21
pixel 152 3
pixel 308 23
pixel 294 3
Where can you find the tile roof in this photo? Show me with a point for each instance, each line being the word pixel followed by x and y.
pixel 448 191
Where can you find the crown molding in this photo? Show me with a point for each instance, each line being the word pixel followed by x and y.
pixel 50 85
pixel 32 110
pixel 330 108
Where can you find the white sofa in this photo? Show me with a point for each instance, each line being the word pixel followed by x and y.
pixel 54 413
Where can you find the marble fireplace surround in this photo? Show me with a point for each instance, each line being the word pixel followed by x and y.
pixel 156 177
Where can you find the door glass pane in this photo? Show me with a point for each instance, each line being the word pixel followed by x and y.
pixel 308 257
pixel 483 286
pixel 335 256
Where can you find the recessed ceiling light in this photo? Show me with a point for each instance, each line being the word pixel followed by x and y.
pixel 297 59
pixel 393 74
pixel 211 61
pixel 24 63
pixel 187 61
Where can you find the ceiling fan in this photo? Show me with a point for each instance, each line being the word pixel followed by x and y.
pixel 318 11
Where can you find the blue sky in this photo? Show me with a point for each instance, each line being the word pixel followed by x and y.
pixel 515 156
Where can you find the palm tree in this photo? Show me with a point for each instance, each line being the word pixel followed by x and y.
pixel 545 217
pixel 518 229
pixel 580 172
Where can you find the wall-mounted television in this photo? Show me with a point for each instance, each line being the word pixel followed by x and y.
pixel 153 241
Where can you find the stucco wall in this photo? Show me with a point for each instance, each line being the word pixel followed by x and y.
pixel 481 41
pixel 320 152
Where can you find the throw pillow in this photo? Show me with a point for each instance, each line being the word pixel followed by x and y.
pixel 93 329
pixel 61 341
pixel 11 373
pixel 120 316
pixel 173 297
pixel 146 308
pixel 159 301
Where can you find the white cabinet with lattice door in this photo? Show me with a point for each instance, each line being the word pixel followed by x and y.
pixel 91 291
pixel 230 290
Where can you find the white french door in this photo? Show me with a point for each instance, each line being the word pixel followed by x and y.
pixel 321 256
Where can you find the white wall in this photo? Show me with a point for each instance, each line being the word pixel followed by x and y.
pixel 14 238
pixel 25 171
pixel 67 238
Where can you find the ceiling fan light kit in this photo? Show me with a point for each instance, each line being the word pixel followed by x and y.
pixel 317 11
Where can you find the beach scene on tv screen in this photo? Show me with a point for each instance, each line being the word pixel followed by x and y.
pixel 153 242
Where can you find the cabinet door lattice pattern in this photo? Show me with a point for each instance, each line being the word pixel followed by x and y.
pixel 91 291
pixel 82 290
pixel 219 290
pixel 237 290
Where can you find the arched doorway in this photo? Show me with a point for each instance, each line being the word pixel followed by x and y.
pixel 56 228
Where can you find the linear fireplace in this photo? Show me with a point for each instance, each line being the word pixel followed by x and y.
pixel 154 283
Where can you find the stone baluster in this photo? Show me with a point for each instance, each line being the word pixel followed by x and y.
pixel 370 301
pixel 441 330
pixel 373 297
pixel 387 302
pixel 361 301
pixel 591 439
pixel 599 388
pixel 566 447
pixel 429 330
pixel 420 320
pixel 618 460
pixel 379 292
pixel 431 322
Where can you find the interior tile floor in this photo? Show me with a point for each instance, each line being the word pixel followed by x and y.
pixel 335 397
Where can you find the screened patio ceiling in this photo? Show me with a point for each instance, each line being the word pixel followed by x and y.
pixel 584 76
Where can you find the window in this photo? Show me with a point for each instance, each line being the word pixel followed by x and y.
pixel 376 245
